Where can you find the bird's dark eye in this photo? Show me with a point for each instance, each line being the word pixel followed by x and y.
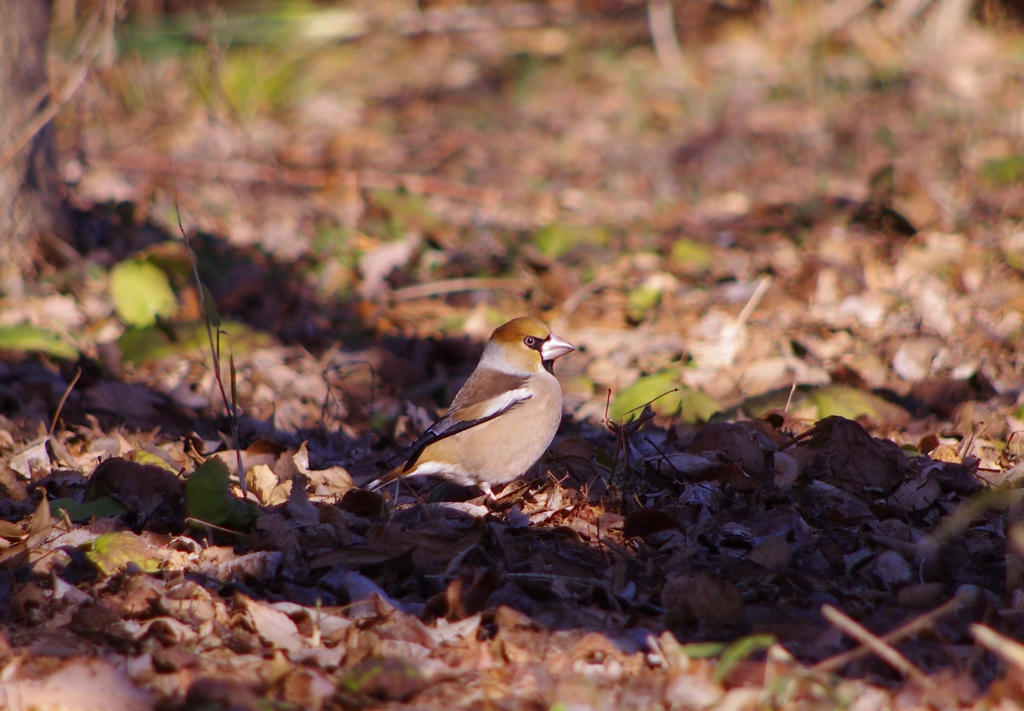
pixel 530 341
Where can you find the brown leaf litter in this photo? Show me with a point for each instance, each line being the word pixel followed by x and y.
pixel 799 221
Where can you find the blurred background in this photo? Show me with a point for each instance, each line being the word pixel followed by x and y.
pixel 730 196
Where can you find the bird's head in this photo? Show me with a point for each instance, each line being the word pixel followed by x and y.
pixel 522 346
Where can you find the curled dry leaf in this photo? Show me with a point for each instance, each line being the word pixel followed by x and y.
pixel 30 459
pixel 691 466
pixel 275 628
pixel 916 494
pixel 153 496
pixel 258 565
pixel 846 456
pixel 333 481
pixel 738 443
pixel 265 484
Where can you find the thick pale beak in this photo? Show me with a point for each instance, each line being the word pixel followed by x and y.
pixel 554 348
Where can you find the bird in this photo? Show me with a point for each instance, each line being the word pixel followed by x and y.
pixel 502 420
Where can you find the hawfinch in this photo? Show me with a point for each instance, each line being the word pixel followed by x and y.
pixel 503 418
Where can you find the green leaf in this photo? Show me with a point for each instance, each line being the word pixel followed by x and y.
pixel 738 651
pixel 817 403
pixel 640 301
pixel 210 308
pixel 405 210
pixel 851 403
pixel 80 513
pixel 759 405
pixel 139 345
pixel 141 292
pixel 1015 260
pixel 208 498
pixel 32 339
pixel 234 384
pixel 696 406
pixel 703 650
pixel 686 253
pixel 557 240
pixel 657 389
pixel 143 457
pixel 632 399
pixel 112 552
pixel 1003 171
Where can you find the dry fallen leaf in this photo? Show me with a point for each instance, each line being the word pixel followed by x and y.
pixel 846 456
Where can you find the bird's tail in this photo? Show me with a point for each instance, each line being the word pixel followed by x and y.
pixel 386 479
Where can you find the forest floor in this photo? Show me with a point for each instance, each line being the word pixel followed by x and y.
pixel 786 240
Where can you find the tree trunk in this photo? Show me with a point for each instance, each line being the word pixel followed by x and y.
pixel 30 200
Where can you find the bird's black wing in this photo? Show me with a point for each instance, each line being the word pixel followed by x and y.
pixel 486 395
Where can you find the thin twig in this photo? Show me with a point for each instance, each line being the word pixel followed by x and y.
pixel 651 401
pixel 879 647
pixel 1010 651
pixel 448 286
pixel 220 529
pixel 252 172
pixel 918 624
pixel 614 546
pixel 63 399
pixel 652 643
pixel 230 405
pixel 789 400
pixel 753 301
pixel 661 454
pixel 576 298
pixel 662 25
